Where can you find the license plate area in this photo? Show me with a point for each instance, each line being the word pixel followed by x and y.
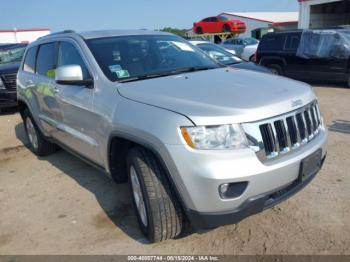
pixel 310 165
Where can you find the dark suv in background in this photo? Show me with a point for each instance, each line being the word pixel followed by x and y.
pixel 10 59
pixel 309 55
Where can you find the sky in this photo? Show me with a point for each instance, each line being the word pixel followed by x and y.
pixel 82 15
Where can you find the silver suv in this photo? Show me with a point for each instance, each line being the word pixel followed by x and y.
pixel 197 140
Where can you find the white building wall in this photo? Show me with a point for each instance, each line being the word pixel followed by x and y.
pixel 21 36
pixel 251 24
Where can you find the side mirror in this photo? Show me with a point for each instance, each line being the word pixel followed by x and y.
pixel 71 75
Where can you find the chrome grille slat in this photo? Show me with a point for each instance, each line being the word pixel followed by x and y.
pixel 289 142
pixel 277 136
pixel 9 80
pixel 297 129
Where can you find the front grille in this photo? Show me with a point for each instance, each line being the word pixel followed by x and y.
pixel 9 81
pixel 277 136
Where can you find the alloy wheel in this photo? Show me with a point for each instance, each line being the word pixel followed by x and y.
pixel 32 135
pixel 138 196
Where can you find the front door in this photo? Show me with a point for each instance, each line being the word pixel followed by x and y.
pixel 78 129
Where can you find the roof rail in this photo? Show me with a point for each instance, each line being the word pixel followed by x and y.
pixel 58 33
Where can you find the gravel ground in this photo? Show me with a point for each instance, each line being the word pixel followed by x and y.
pixel 60 205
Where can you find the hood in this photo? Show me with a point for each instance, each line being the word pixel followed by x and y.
pixel 9 68
pixel 221 96
pixel 252 66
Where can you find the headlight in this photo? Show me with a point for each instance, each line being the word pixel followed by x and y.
pixel 215 137
pixel 2 86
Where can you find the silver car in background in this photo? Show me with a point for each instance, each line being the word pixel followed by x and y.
pixel 195 139
pixel 245 48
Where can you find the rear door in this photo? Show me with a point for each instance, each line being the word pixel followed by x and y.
pixel 45 92
pixel 211 24
pixel 78 129
pixel 216 24
pixel 296 67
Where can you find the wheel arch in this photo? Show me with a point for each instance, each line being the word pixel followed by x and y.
pixel 269 60
pixel 117 158
pixel 22 106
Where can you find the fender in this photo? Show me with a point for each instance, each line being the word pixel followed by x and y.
pixel 156 151
pixel 266 60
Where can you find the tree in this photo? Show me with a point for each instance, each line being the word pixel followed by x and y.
pixel 176 31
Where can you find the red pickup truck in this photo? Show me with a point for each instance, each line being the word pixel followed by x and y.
pixel 218 24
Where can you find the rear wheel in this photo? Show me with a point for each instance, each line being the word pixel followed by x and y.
pixel 276 69
pixel 226 28
pixel 199 30
pixel 349 81
pixel 157 208
pixel 38 144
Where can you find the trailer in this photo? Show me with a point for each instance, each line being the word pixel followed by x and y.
pixel 212 37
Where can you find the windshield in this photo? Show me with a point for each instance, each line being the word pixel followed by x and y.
pixel 346 35
pixel 223 18
pixel 11 55
pixel 250 41
pixel 136 57
pixel 219 54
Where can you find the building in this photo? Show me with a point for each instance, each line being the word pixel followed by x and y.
pixel 324 13
pixel 22 35
pixel 259 22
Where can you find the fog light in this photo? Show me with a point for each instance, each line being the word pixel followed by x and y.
pixel 223 189
pixel 232 190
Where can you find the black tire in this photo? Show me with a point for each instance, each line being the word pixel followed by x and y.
pixel 226 28
pixel 276 69
pixel 348 84
pixel 43 147
pixel 199 30
pixel 163 212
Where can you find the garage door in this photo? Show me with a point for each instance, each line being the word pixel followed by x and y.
pixel 330 14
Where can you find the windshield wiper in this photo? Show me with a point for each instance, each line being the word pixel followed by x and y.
pixel 193 69
pixel 141 77
pixel 168 73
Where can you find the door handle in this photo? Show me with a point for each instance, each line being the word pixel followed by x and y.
pixel 29 84
pixel 55 90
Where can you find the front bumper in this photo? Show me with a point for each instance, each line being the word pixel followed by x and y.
pixel 8 98
pixel 198 175
pixel 250 207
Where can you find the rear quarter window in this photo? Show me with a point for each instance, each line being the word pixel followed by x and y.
pixel 29 60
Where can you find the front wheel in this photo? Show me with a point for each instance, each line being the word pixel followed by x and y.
pixel 276 69
pixel 157 208
pixel 226 29
pixel 199 30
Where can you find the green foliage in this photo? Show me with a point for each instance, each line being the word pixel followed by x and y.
pixel 176 31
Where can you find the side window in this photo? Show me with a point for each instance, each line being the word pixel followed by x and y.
pixel 69 55
pixel 273 43
pixel 29 61
pixel 214 19
pixel 206 20
pixel 292 42
pixel 46 61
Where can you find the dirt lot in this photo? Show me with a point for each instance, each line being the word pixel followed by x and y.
pixel 60 205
